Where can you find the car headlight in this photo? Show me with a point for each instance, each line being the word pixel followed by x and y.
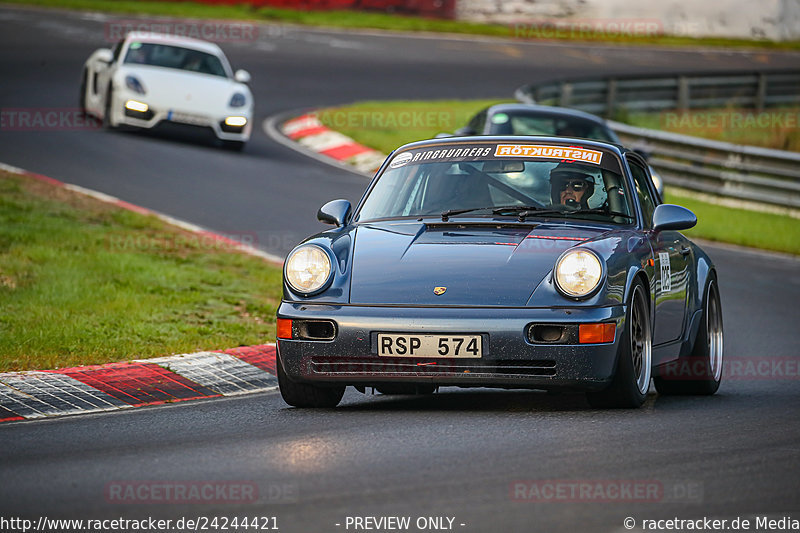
pixel 308 269
pixel 133 83
pixel 238 100
pixel 578 273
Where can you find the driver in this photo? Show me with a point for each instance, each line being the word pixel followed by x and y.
pixel 571 185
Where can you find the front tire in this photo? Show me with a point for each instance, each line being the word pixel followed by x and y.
pixel 305 395
pixel 108 123
pixel 628 388
pixel 701 372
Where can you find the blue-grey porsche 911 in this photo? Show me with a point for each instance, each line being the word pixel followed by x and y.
pixel 511 262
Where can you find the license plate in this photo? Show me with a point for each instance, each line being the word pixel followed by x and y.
pixel 414 345
pixel 187 118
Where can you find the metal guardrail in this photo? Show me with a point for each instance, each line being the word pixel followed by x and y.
pixel 720 168
pixel 682 92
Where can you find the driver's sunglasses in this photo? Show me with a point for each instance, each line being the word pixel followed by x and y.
pixel 574 185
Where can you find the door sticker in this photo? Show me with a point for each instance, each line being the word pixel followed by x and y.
pixel 666 273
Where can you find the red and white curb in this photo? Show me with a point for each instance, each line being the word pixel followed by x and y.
pixel 114 386
pixel 309 132
pixel 89 389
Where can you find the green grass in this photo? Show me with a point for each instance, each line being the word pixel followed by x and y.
pixel 768 231
pixel 387 125
pixel 381 21
pixel 777 128
pixel 83 282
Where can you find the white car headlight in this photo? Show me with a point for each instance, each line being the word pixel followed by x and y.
pixel 238 100
pixel 308 269
pixel 578 273
pixel 133 83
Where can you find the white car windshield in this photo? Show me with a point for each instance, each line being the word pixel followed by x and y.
pixel 175 57
pixel 483 183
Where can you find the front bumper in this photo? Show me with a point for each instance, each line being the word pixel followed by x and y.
pixel 164 114
pixel 510 359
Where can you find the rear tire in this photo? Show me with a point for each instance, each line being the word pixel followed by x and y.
pixel 305 395
pixel 701 372
pixel 628 388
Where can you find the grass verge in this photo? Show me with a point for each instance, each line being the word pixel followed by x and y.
pixel 84 282
pixel 777 128
pixel 768 231
pixel 383 21
pixel 387 125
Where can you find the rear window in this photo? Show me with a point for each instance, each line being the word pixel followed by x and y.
pixel 552 126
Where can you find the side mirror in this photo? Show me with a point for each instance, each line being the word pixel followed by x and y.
pixel 104 55
pixel 334 212
pixel 242 76
pixel 673 217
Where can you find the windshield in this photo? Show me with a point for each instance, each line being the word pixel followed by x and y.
pixel 477 180
pixel 540 124
pixel 175 57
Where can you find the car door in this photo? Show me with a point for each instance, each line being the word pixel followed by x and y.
pixel 671 255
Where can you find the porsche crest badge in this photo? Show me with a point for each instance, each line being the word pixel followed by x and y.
pixel 438 291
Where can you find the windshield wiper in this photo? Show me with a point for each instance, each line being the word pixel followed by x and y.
pixel 450 212
pixel 598 211
pixel 521 211
pixel 515 208
pixel 539 212
pixel 495 210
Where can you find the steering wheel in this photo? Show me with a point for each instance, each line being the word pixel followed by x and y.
pixel 506 188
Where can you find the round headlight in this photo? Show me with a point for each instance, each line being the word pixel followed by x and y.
pixel 578 273
pixel 308 269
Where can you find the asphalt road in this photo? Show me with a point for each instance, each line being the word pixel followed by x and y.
pixel 456 454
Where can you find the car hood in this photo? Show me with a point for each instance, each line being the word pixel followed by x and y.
pixel 479 264
pixel 184 91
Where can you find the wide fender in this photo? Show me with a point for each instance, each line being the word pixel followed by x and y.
pixel 642 266
pixel 703 270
